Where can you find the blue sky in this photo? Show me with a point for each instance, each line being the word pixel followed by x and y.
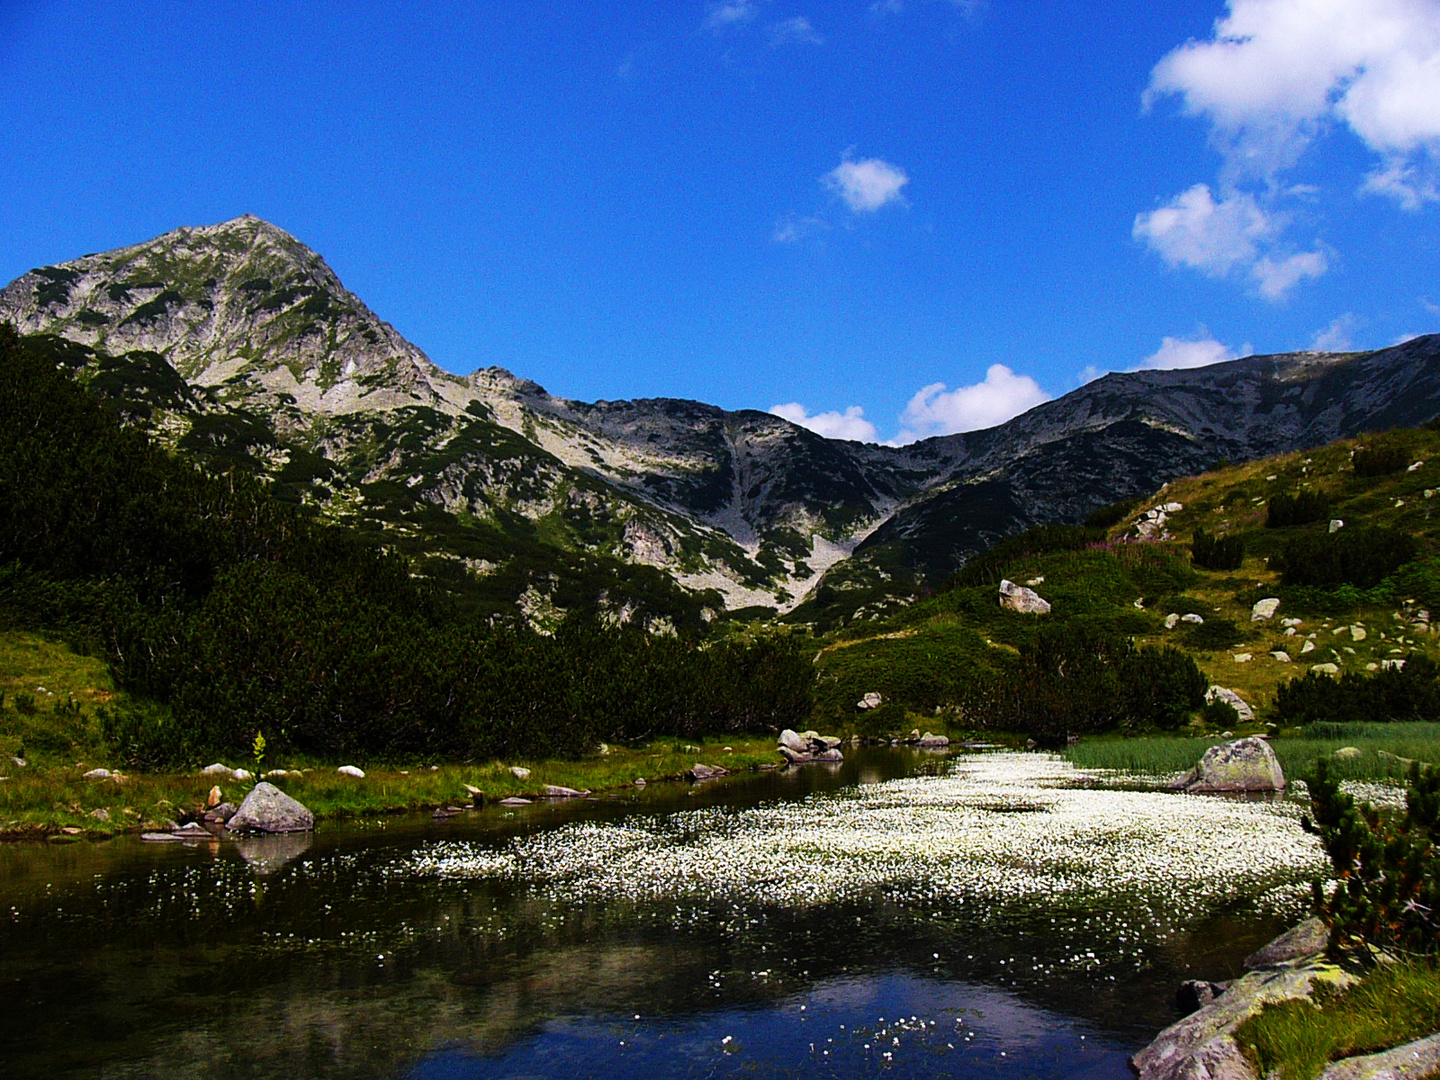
pixel 891 219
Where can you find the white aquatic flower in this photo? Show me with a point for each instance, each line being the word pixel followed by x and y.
pixel 999 829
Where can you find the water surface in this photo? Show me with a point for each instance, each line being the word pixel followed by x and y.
pixel 903 914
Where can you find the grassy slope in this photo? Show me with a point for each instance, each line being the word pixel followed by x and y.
pixel 958 633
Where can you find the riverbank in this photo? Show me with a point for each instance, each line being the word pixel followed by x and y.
pixel 40 800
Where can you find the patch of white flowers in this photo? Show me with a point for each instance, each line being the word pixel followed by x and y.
pixel 999 829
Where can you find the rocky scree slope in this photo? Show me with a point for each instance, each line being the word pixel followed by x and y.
pixel 237 342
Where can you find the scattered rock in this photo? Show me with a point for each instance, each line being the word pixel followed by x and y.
pixel 268 809
pixel 276 774
pixel 1173 507
pixel 1242 765
pixel 215 770
pixel 1348 753
pixel 221 814
pixel 100 814
pixel 215 797
pixel 160 837
pixel 639 781
pixel 1309 646
pixel 241 774
pixel 192 831
pixel 445 813
pixel 1192 618
pixel 472 790
pixel 1393 665
pixel 790 739
pixel 519 772
pixel 514 800
pixel 1018 598
pixel 705 772
pixel 98 774
pixel 1358 633
pixel 1336 525
pixel 871 700
pixel 1242 658
pixel 931 742
pixel 1415 466
pixel 1281 656
pixel 1172 620
pixel 1326 669
pixel 1230 697
pixel 1414 1059
pixel 1264 609
pixel 1292 622
pixel 555 791
pixel 351 770
pixel 1298 943
pixel 19 762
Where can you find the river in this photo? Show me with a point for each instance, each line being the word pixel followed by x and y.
pixel 903 914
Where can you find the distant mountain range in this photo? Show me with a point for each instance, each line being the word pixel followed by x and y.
pixel 237 343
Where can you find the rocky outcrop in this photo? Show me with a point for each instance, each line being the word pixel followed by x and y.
pixel 268 809
pixel 1300 942
pixel 1242 765
pixel 1409 1062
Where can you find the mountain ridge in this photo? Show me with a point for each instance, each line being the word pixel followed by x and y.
pixel 740 502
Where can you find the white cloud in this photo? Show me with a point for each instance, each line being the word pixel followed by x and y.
pixel 1338 336
pixel 851 424
pixel 1277 74
pixel 1186 353
pixel 1277 276
pixel 1194 230
pixel 794 227
pixel 937 411
pixel 794 31
pixel 1221 238
pixel 731 13
pixel 1429 305
pixel 866 186
pixel 1406 184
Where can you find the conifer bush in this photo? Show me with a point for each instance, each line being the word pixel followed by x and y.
pixel 1387 893
pixel 1217 552
pixel 1302 508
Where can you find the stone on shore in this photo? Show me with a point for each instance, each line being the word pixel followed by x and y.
pixel 555 791
pixel 931 742
pixel 705 772
pixel 801 748
pixel 519 772
pixel 268 809
pixel 351 770
pixel 1242 765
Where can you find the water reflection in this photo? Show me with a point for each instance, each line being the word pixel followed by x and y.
pixel 121 960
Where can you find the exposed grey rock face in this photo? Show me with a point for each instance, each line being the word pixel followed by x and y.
pixel 256 347
pixel 268 809
pixel 1412 1061
pixel 804 747
pixel 1242 765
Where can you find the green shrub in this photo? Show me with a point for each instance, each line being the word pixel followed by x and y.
pixel 1359 556
pixel 888 718
pixel 1381 460
pixel 1213 633
pixel 1388 695
pixel 1217 552
pixel 1302 508
pixel 1387 889
pixel 1112 514
pixel 1220 715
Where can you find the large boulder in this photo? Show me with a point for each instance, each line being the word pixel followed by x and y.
pixel 268 809
pixel 1242 765
pixel 1018 598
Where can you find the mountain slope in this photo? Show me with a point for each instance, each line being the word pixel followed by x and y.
pixel 236 341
